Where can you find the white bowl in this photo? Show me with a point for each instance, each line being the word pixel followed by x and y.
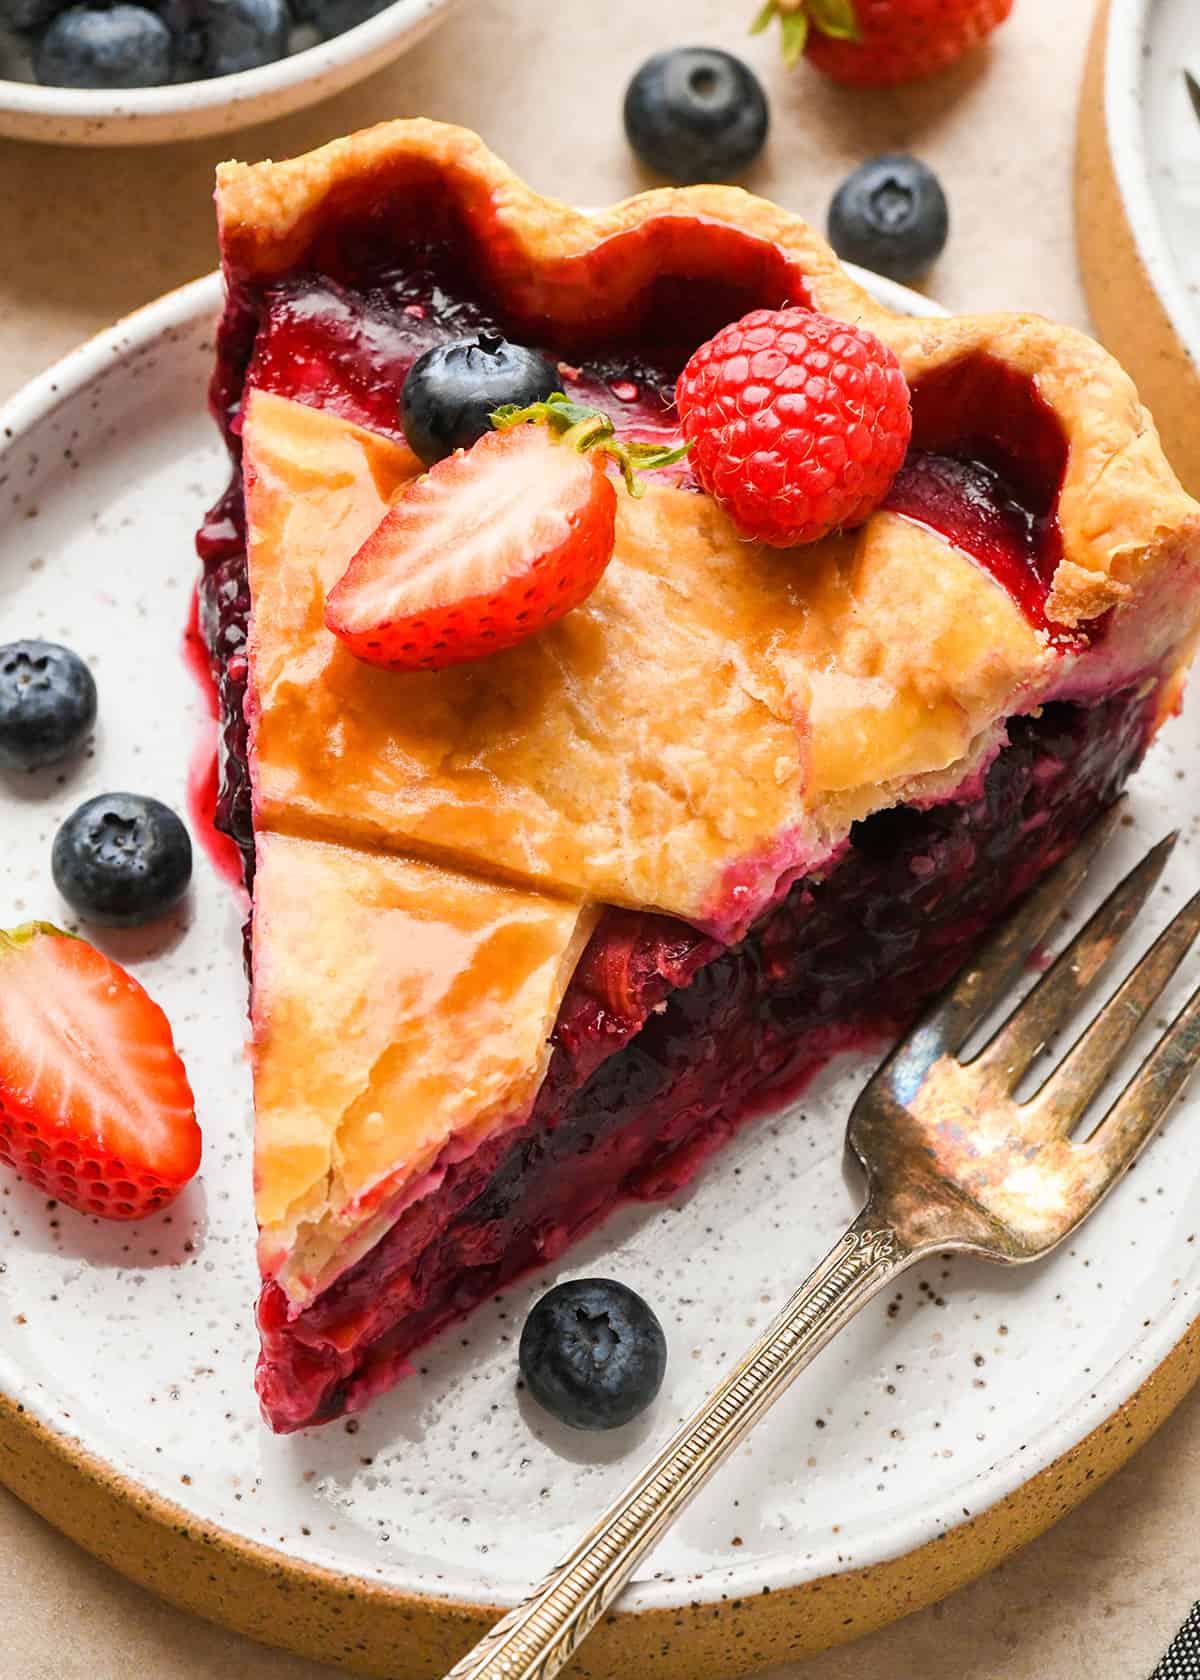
pixel 184 110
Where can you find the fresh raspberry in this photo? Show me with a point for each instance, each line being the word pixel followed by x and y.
pixel 879 43
pixel 798 423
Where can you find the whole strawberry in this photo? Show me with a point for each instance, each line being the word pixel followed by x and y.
pixel 879 43
pixel 797 423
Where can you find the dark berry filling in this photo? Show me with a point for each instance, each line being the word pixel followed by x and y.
pixel 349 350
pixel 971 504
pixel 985 470
pixel 705 1038
pixel 204 773
pixel 222 618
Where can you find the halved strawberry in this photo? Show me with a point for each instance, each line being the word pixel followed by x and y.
pixel 489 546
pixel 95 1105
pixel 493 543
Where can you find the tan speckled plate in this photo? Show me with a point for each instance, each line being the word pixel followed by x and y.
pixel 947 1426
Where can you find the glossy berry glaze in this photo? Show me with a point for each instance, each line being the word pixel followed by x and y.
pixel 665 1042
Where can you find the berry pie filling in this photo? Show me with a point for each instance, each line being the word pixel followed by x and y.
pixel 665 1044
pixel 668 1035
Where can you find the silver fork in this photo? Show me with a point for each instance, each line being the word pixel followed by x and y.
pixel 952 1161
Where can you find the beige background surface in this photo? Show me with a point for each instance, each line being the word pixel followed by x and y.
pixel 86 236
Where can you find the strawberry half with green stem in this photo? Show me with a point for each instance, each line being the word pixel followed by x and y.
pixel 492 544
pixel 880 43
pixel 95 1105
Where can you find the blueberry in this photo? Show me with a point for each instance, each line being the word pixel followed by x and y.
pixel 696 114
pixel 219 37
pixel 451 391
pixel 10 57
pixel 122 860
pixel 118 46
pixel 593 1354
pixel 47 704
pixel 334 17
pixel 891 216
pixel 242 34
pixel 185 21
pixel 28 14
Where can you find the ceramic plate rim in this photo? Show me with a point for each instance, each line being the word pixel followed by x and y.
pixel 1124 119
pixel 199 300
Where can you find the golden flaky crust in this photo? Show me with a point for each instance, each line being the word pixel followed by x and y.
pixel 711 706
pixel 709 723
pixel 396 1006
pixel 1122 511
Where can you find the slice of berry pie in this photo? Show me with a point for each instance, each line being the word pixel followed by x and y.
pixel 539 920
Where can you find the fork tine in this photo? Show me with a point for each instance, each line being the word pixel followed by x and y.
pixel 1055 998
pixel 1067 1092
pixel 1137 1113
pixel 969 999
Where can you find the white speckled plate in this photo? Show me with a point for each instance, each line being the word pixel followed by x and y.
pixel 140 1340
pixel 1155 140
pixel 1137 207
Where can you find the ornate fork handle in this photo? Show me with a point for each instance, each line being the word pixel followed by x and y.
pixel 537 1638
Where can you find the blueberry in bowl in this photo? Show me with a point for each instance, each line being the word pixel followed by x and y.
pixel 102 45
pixel 334 17
pixel 121 46
pixel 221 37
pixel 122 860
pixel 27 14
pixel 118 71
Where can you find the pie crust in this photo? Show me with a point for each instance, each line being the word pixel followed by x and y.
pixel 1123 514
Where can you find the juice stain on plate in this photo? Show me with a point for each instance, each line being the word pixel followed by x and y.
pixel 204 770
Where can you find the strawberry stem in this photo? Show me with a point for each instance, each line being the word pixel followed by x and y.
pixel 587 429
pixel 28 932
pixel 797 18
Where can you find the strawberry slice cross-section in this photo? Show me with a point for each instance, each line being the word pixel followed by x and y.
pixel 95 1105
pixel 491 544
